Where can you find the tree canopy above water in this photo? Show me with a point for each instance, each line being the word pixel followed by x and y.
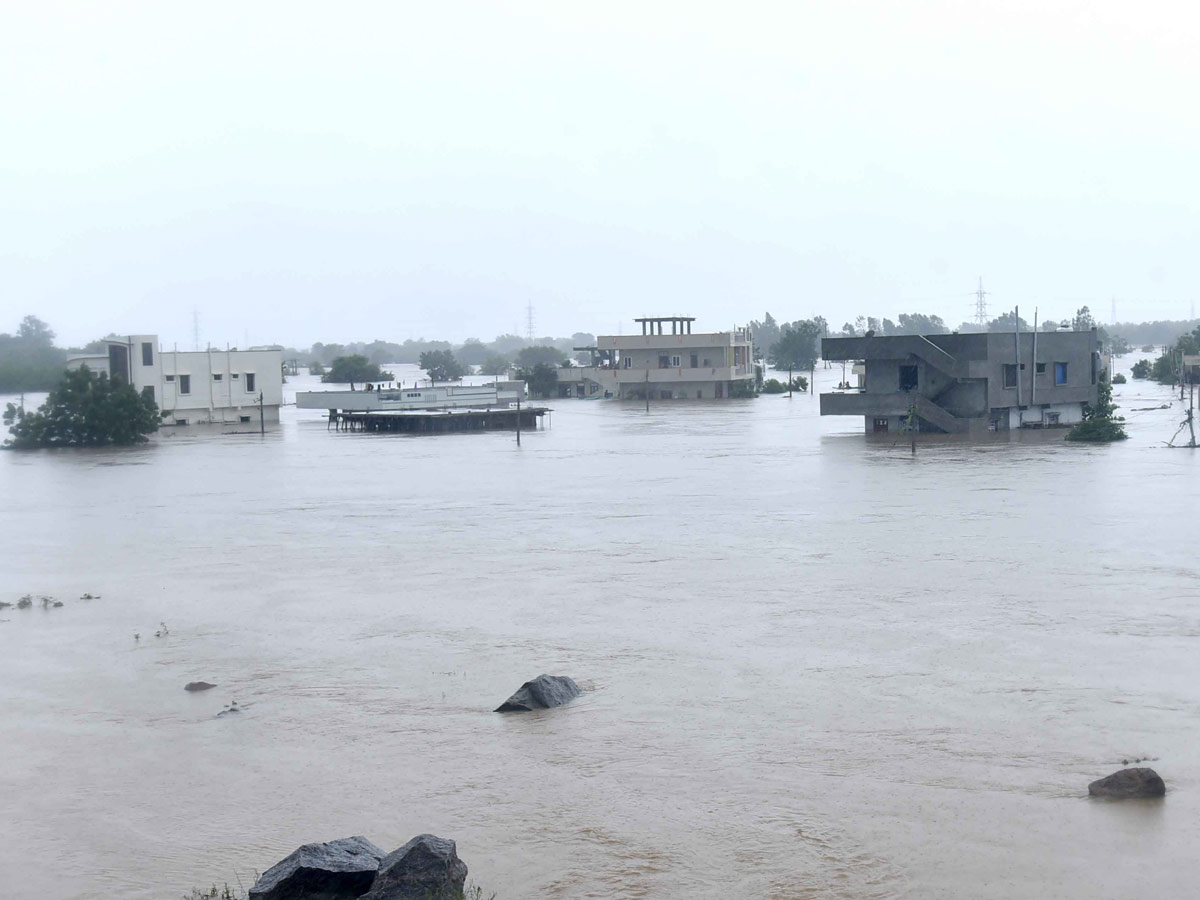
pixel 84 410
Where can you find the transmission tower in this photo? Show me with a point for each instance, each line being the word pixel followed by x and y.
pixel 529 322
pixel 981 313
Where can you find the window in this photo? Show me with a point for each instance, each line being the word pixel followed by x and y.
pixel 628 360
pixel 147 353
pixel 168 377
pixel 243 418
pixel 695 360
pixel 217 376
pixel 148 392
pixel 185 387
pixel 235 375
pixel 1052 418
pixel 250 381
pixel 1060 373
pixel 1041 368
pixel 664 362
pixel 675 362
pixel 908 378
pixel 181 421
pixel 1010 375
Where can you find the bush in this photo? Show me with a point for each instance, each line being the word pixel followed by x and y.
pixel 1099 425
pixel 1119 378
pixel 1141 369
pixel 774 386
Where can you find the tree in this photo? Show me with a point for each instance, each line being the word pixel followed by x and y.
pixel 1141 369
pixel 918 323
pixel 495 365
pixel 29 361
pixel 440 365
pixel 1006 322
pixel 542 379
pixel 1084 320
pixel 353 368
pixel 316 368
pixel 797 346
pixel 529 357
pixel 472 352
pixel 1099 425
pixel 85 410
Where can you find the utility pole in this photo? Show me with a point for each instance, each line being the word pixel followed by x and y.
pixel 262 423
pixel 1192 413
pixel 195 329
pixel 518 420
pixel 981 313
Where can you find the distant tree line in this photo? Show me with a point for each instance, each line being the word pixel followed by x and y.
pixel 1166 369
pixel 29 361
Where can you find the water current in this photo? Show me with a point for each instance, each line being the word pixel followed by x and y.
pixel 815 665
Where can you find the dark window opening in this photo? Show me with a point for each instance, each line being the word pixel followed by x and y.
pixel 217 376
pixel 243 418
pixel 168 377
pixel 664 362
pixel 147 353
pixel 908 378
pixel 1010 375
pixel 695 360
pixel 1060 373
pixel 249 381
pixel 880 426
pixel 235 375
pixel 181 421
pixel 185 386
pixel 1041 368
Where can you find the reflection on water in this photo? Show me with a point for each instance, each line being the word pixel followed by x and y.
pixel 815 665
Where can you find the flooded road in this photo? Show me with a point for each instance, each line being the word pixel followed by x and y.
pixel 815 665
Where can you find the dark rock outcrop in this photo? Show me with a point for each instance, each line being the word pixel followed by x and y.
pixel 198 686
pixel 544 692
pixel 333 871
pixel 1127 783
pixel 426 868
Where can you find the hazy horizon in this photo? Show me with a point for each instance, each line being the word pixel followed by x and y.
pixel 399 172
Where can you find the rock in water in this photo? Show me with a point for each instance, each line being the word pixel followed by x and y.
pixel 198 686
pixel 544 692
pixel 1129 783
pixel 333 871
pixel 426 868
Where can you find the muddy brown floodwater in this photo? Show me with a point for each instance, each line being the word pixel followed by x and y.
pixel 814 665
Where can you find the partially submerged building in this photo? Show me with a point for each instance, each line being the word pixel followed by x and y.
pixel 967 383
pixel 196 387
pixel 667 365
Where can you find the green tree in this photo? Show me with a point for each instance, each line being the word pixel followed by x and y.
pixel 1099 425
pixel 495 365
pixel 1141 369
pixel 354 368
pixel 542 379
pixel 29 361
pixel 1006 322
pixel 84 410
pixel 529 357
pixel 472 352
pixel 797 346
pixel 1084 320
pixel 918 323
pixel 440 365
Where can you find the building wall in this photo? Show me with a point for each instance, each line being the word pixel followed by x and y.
pixel 219 384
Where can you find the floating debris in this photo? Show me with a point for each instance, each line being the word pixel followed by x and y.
pixel 136 636
pixel 89 596
pixel 25 602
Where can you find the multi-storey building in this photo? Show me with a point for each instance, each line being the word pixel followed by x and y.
pixel 668 366
pixel 196 387
pixel 968 383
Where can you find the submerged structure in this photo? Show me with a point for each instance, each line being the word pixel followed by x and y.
pixel 204 387
pixel 667 361
pixel 434 409
pixel 967 383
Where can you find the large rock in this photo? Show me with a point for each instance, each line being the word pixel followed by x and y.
pixel 544 692
pixel 426 868
pixel 1129 783
pixel 194 686
pixel 333 871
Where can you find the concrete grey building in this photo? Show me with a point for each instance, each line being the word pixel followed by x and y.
pixel 968 383
pixel 667 361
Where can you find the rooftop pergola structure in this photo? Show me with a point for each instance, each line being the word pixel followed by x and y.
pixel 679 324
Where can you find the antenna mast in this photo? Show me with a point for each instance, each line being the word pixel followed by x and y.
pixel 195 328
pixel 981 313
pixel 529 322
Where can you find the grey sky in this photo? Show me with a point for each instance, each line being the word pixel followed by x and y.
pixel 350 171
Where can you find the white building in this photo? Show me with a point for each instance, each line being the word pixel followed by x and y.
pixel 196 387
pixel 675 366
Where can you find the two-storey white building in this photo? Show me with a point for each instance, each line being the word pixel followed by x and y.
pixel 677 365
pixel 202 387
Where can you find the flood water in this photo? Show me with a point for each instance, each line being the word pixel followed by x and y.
pixel 815 666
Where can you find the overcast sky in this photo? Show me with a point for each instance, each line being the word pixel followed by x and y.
pixel 343 171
